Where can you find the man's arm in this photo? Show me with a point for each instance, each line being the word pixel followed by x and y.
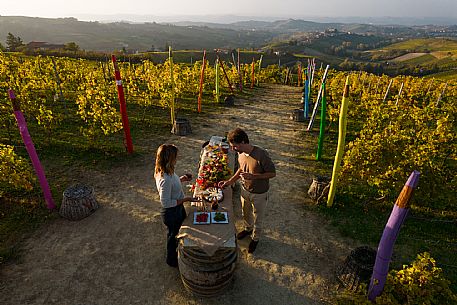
pixel 232 180
pixel 249 176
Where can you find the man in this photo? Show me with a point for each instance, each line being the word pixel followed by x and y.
pixel 255 171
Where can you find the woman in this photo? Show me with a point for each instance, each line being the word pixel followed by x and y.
pixel 171 196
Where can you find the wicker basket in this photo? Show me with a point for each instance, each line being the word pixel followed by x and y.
pixel 78 202
pixel 357 268
pixel 319 188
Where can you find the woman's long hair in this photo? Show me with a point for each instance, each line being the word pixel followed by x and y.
pixel 166 159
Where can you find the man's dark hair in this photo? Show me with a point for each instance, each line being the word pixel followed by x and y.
pixel 238 136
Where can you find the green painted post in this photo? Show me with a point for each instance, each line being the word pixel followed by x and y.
pixel 322 129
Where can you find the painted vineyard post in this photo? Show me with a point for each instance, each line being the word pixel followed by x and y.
pixel 202 76
pixel 172 81
pixel 252 73
pixel 123 108
pixel 322 127
pixel 387 91
pixel 313 69
pixel 389 236
pixel 341 141
pixel 240 74
pixel 316 105
pixel 306 96
pixel 299 75
pixel 217 80
pixel 260 69
pixel 22 125
pixel 399 93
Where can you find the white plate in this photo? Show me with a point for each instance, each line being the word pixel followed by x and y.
pixel 214 214
pixel 208 221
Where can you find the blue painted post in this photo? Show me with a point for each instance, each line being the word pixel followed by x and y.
pixel 306 96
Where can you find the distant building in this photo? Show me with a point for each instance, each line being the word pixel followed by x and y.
pixel 43 45
pixel 331 30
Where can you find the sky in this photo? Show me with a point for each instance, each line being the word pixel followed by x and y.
pixel 84 9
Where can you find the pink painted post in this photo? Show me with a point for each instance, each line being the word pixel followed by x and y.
pixel 21 123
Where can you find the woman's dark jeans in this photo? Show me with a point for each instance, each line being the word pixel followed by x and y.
pixel 173 218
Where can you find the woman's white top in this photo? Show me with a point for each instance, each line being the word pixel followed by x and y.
pixel 170 189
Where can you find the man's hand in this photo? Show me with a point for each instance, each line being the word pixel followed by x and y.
pixel 222 184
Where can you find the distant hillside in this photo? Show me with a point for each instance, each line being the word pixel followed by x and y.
pixel 285 26
pixel 190 35
pixel 115 36
pixel 423 45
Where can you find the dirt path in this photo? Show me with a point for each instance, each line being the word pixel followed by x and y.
pixel 116 256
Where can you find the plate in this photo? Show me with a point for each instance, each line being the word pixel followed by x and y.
pixel 212 193
pixel 208 218
pixel 213 214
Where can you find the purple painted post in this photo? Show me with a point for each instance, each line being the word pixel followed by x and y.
pixel 31 150
pixel 386 245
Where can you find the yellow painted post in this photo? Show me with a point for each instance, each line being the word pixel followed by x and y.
pixel 172 102
pixel 341 141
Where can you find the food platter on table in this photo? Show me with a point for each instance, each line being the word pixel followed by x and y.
pixel 219 217
pixel 202 218
pixel 212 194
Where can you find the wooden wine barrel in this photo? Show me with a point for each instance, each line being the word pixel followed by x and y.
pixel 181 127
pixel 229 100
pixel 298 115
pixel 78 202
pixel 204 275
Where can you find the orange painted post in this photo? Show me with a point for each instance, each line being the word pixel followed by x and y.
pixel 202 76
pixel 123 108
pixel 299 75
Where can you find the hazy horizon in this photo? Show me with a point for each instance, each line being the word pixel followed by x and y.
pixel 143 10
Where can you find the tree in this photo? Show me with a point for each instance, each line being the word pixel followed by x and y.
pixel 13 42
pixel 2 48
pixel 71 46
